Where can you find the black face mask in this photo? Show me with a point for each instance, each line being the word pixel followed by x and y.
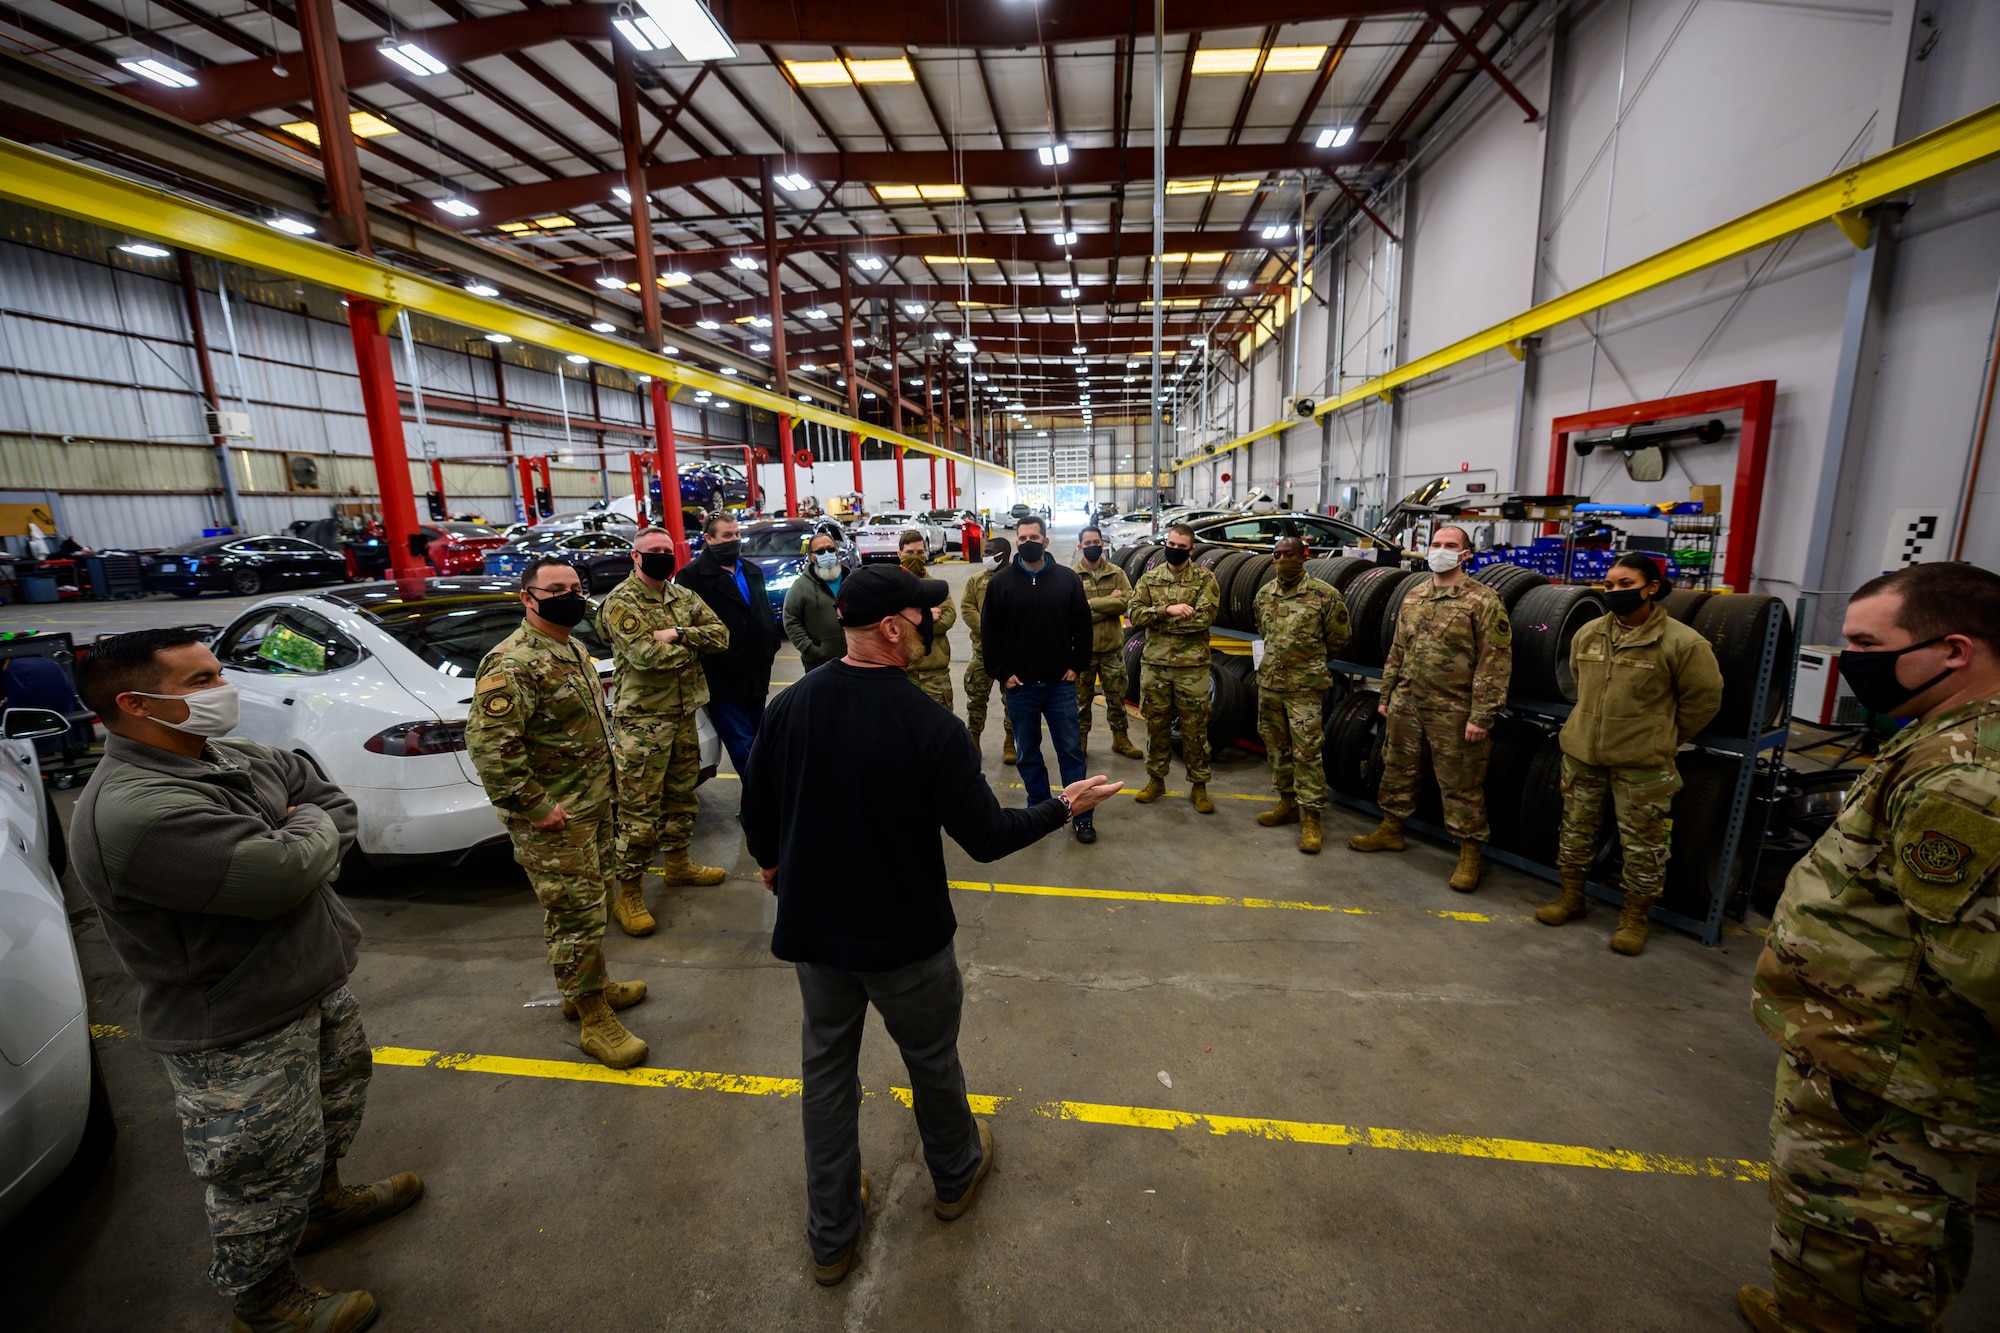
pixel 1872 677
pixel 1177 555
pixel 726 552
pixel 1092 553
pixel 657 565
pixel 566 609
pixel 1624 601
pixel 1031 552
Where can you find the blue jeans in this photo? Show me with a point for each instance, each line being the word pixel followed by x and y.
pixel 1027 706
pixel 736 724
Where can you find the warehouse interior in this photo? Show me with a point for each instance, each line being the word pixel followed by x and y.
pixel 1715 281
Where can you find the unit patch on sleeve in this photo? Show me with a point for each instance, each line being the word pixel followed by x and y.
pixel 1936 858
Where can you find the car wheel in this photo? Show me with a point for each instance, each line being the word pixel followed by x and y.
pixel 246 583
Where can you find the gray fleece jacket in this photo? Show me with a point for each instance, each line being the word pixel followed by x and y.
pixel 214 880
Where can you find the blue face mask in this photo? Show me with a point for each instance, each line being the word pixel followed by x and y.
pixel 828 563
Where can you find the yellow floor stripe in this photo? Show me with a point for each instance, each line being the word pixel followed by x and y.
pixel 1193 899
pixel 1130 790
pixel 1130 1117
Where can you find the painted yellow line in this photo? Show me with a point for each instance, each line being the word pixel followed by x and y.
pixel 1193 899
pixel 1524 1151
pixel 1134 791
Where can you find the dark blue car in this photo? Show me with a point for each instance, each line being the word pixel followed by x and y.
pixel 777 546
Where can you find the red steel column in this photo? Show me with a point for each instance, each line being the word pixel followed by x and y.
pixel 847 361
pixel 950 485
pixel 791 475
pixel 781 382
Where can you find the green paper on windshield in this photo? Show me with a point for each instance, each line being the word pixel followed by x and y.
pixel 292 649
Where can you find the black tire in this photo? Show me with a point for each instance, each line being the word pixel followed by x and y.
pixel 1229 708
pixel 1386 638
pixel 1140 559
pixel 246 583
pixel 1515 741
pixel 1510 582
pixel 1366 598
pixel 1683 603
pixel 1239 611
pixel 1701 818
pixel 1352 747
pixel 58 846
pixel 1802 809
pixel 1208 555
pixel 1225 572
pixel 1343 570
pixel 1155 557
pixel 1135 647
pixel 1539 823
pixel 1544 621
pixel 1735 626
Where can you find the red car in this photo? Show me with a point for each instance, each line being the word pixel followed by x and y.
pixel 459 548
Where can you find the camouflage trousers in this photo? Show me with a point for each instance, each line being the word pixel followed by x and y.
pixel 570 869
pixel 259 1122
pixel 659 766
pixel 978 695
pixel 935 682
pixel 1289 723
pixel 1107 668
pixel 1163 692
pixel 1641 801
pixel 1459 765
pixel 1875 1206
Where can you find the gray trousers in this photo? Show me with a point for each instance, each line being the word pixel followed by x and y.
pixel 919 1005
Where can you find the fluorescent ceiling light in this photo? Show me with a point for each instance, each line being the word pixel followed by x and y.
pixel 963 360
pixel 913 308
pixel 555 222
pixel 1225 60
pixel 577 359
pixel 1334 137
pixel 1053 155
pixel 805 398
pixel 889 192
pixel 610 283
pixel 792 181
pixel 867 263
pixel 1207 257
pixel 145 251
pixel 806 366
pixel 674 279
pixel 478 288
pixel 364 125
pixel 1237 284
pixel 940 335
pixel 1079 349
pixel 815 313
pixel 743 261
pixel 760 347
pixel 915 382
pixel 1197 341
pixel 1203 186
pixel 413 58
pixel 759 322
pixel 1294 59
pixel 668 349
pixel 458 208
pixel 706 324
pixel 621 194
pixel 959 259
pixel 1277 231
pixel 291 226
pixel 516 228
pixel 860 342
pixel 642 32
pixel 689 26
pixel 165 75
pixel 1173 257
pixel 1071 293
pixel 895 70
pixel 965 345
pixel 865 393
pixel 979 379
pixel 729 370
pixel 1068 238
pixel 818 73
pixel 1177 301
pixel 498 338
pixel 603 326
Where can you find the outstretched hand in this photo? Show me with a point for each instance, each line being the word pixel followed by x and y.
pixel 1086 794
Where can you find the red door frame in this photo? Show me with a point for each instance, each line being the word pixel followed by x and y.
pixel 1755 401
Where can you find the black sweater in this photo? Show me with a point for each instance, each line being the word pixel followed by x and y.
pixel 1035 626
pixel 861 878
pixel 740 673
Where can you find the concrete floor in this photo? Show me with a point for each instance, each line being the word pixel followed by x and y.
pixel 677 1201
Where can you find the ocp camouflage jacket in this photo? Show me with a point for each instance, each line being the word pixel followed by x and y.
pixel 537 733
pixel 653 677
pixel 1302 628
pixel 1172 641
pixel 1883 962
pixel 1454 651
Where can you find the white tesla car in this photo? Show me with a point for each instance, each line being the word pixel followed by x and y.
pixel 373 689
pixel 875 540
pixel 52 1105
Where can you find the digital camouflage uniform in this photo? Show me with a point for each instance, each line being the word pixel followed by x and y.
pixel 1302 627
pixel 1173 672
pixel 539 737
pixel 659 686
pixel 1449 665
pixel 979 685
pixel 1881 985
pixel 933 675
pixel 1109 593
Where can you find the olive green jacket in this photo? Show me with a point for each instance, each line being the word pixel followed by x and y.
pixel 1641 694
pixel 1108 591
pixel 811 623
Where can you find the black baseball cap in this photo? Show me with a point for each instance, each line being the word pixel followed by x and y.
pixel 873 593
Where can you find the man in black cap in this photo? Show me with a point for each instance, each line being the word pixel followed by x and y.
pixel 864 912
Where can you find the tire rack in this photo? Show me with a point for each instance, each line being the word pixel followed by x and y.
pixel 1746 750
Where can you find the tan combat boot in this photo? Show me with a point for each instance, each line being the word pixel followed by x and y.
pixel 1309 839
pixel 677 869
pixel 617 994
pixel 341 1209
pixel 1154 789
pixel 1633 923
pixel 1760 1310
pixel 954 1209
pixel 1083 744
pixel 975 740
pixel 604 1037
pixel 1286 811
pixel 835 1273
pixel 1387 837
pixel 1198 793
pixel 628 909
pixel 1007 755
pixel 1569 905
pixel 283 1304
pixel 1121 744
pixel 1466 877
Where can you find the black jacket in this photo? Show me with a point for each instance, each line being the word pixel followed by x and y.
pixel 1035 626
pixel 740 673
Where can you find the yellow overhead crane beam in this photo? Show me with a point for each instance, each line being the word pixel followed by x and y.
pixel 1838 199
pixel 44 181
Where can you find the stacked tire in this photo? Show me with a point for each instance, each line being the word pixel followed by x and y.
pixel 1516 741
pixel 1232 699
pixel 1239 599
pixel 1352 744
pixel 1511 582
pixel 1367 601
pixel 1340 571
pixel 1544 620
pixel 1737 626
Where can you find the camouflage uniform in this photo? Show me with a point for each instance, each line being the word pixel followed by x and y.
pixel 1449 665
pixel 979 685
pixel 259 1121
pixel 1302 627
pixel 660 685
pixel 1881 985
pixel 933 676
pixel 539 737
pixel 1173 675
pixel 1109 592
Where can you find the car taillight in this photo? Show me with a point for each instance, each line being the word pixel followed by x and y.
pixel 415 738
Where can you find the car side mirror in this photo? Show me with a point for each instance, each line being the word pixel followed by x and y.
pixel 27 724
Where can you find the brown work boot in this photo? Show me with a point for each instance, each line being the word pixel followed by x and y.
pixel 1466 877
pixel 1309 838
pixel 1286 811
pixel 1083 743
pixel 677 869
pixel 628 909
pixel 341 1209
pixel 1198 793
pixel 1633 923
pixel 835 1273
pixel 617 994
pixel 948 1212
pixel 604 1037
pixel 975 741
pixel 283 1304
pixel 1121 744
pixel 1154 789
pixel 1387 837
pixel 1760 1310
pixel 1007 755
pixel 1569 905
